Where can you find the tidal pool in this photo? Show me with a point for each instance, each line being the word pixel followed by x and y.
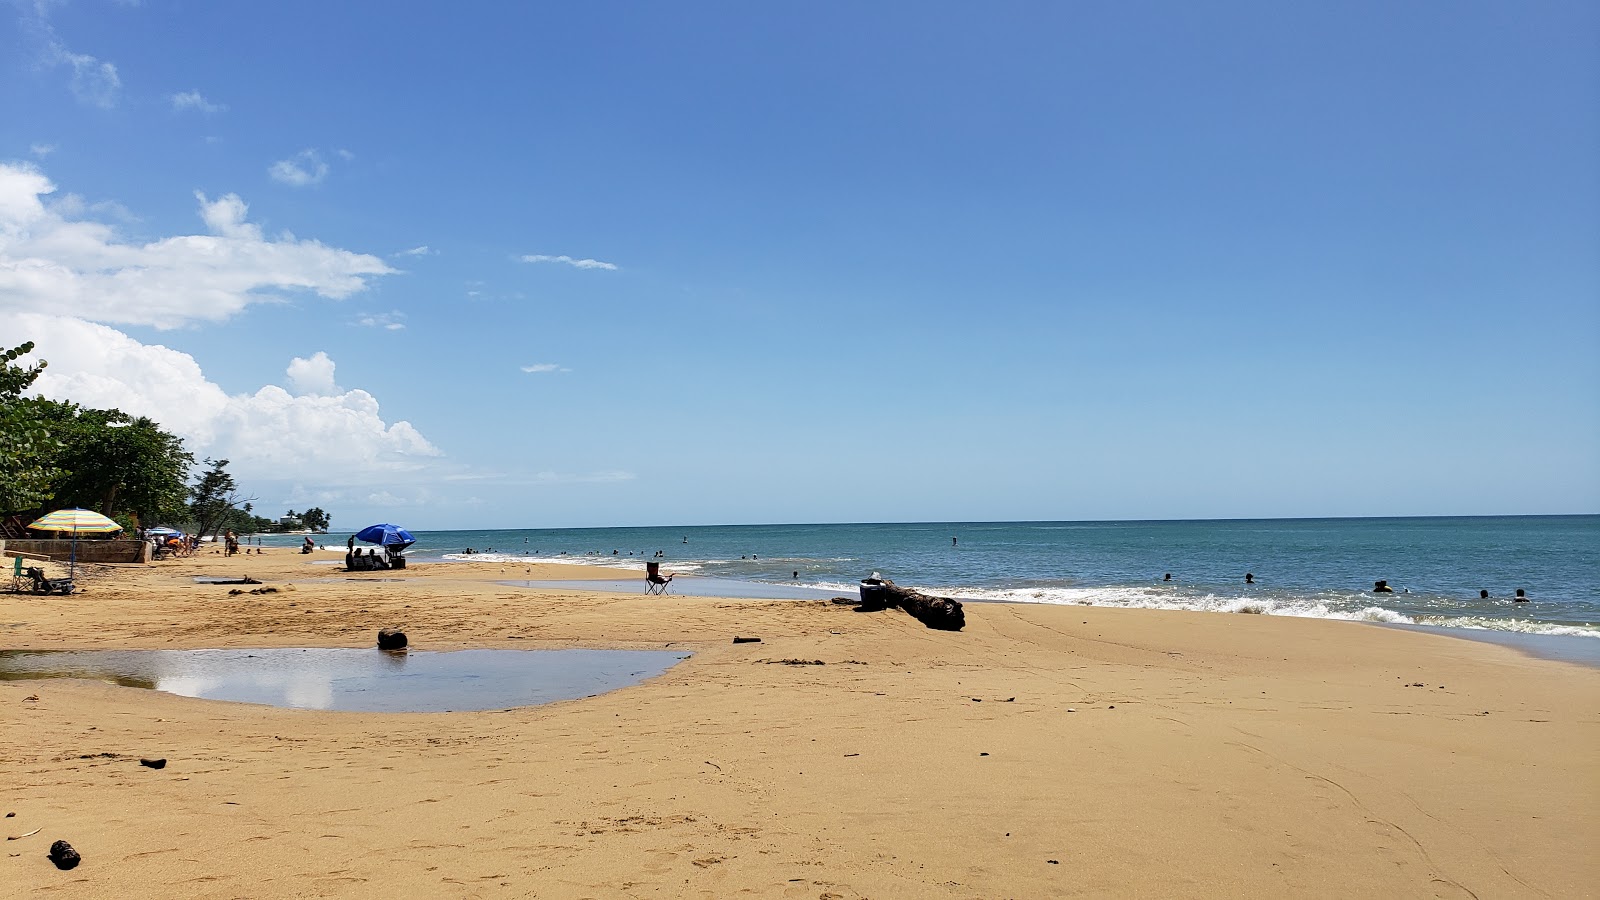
pixel 355 680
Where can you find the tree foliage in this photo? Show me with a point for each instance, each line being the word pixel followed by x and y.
pixel 214 499
pixel 28 451
pixel 115 463
pixel 315 519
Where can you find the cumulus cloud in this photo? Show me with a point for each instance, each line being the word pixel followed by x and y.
pixel 576 263
pixel 314 376
pixel 265 434
pixel 52 260
pixel 545 367
pixel 300 170
pixel 194 100
pixel 41 150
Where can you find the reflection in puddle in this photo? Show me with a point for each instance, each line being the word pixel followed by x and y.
pixel 355 680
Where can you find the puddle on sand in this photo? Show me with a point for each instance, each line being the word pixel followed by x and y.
pixel 355 680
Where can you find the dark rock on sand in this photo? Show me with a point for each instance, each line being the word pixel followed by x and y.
pixel 391 639
pixel 62 854
pixel 154 763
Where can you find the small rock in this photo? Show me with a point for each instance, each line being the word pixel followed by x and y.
pixel 62 854
pixel 154 763
pixel 391 639
pixel 745 640
pixel 983 754
pixel 1053 862
pixel 977 699
pixel 11 815
pixel 1070 709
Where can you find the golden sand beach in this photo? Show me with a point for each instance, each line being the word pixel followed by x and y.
pixel 1044 751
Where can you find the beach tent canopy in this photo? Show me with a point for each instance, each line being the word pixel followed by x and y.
pixel 387 535
pixel 162 529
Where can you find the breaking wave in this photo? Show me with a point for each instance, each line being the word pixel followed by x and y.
pixel 1352 608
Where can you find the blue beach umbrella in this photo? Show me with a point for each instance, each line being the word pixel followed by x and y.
pixel 387 535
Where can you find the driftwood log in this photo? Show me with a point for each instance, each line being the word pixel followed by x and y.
pixel 935 612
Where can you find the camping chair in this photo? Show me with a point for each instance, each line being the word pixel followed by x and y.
pixel 16 575
pixel 654 581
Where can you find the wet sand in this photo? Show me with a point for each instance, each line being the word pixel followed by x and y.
pixel 1044 751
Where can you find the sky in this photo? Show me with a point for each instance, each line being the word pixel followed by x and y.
pixel 591 264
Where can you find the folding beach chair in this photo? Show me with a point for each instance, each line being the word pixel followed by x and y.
pixel 16 575
pixel 654 581
pixel 43 585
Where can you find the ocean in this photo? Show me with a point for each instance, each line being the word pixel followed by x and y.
pixel 1323 568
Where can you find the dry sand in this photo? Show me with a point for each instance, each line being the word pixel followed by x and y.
pixel 1045 751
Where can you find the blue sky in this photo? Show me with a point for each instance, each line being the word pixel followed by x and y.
pixel 613 264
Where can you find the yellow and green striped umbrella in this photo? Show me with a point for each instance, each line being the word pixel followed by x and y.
pixel 86 521
pixel 75 520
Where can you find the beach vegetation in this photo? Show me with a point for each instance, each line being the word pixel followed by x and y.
pixel 120 465
pixel 314 519
pixel 28 451
pixel 215 502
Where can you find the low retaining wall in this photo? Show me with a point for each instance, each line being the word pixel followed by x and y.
pixel 88 551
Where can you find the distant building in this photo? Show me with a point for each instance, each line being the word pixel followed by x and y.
pixel 289 521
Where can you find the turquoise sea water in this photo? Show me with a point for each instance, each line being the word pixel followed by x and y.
pixel 1305 567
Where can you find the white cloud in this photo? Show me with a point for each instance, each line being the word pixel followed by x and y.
pixel 94 81
pixel 300 170
pixel 389 321
pixel 270 434
pixel 53 261
pixel 577 263
pixel 41 150
pixel 417 251
pixel 187 100
pixel 313 376
pixel 545 367
pixel 345 155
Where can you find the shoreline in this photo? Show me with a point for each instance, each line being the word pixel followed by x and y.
pixel 1251 754
pixel 1578 649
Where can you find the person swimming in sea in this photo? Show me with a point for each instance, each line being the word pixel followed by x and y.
pixel 1381 587
pixel 1249 578
pixel 1522 596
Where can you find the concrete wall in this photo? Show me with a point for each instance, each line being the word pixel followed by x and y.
pixel 88 551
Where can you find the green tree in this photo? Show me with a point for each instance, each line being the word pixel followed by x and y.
pixel 28 451
pixel 214 498
pixel 119 464
pixel 315 519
